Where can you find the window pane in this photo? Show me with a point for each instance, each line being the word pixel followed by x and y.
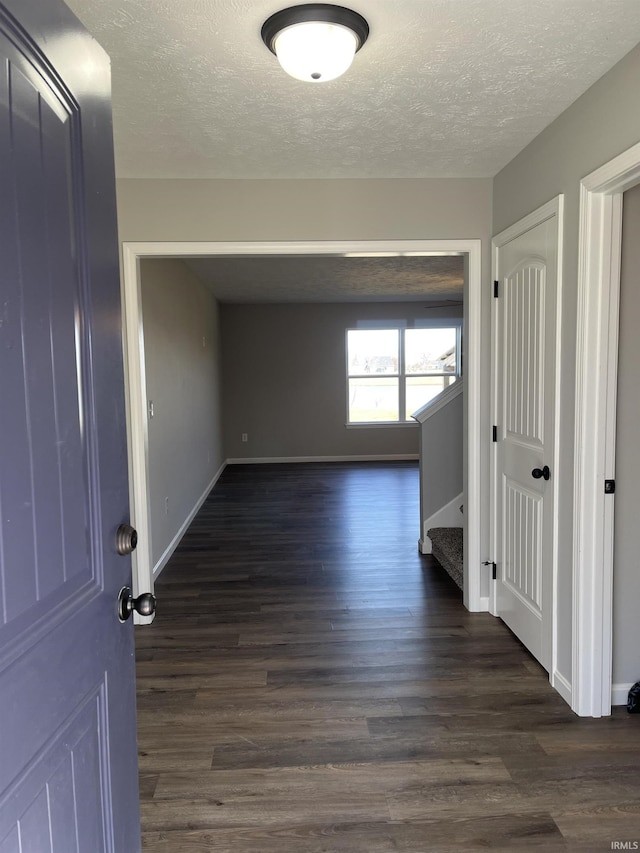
pixel 372 351
pixel 421 389
pixel 373 400
pixel 430 350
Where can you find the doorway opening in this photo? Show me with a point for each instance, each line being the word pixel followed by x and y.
pixel 600 236
pixel 137 397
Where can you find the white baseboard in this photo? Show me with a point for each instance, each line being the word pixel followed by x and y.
pixel 425 544
pixel 278 460
pixel 563 686
pixel 171 547
pixel 620 692
pixel 448 516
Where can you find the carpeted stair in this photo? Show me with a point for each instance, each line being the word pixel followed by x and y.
pixel 446 547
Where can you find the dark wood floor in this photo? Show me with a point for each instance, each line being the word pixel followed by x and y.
pixel 311 683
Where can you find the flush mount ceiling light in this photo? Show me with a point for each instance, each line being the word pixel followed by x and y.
pixel 315 42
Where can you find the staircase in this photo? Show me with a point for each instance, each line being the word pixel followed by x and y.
pixel 447 548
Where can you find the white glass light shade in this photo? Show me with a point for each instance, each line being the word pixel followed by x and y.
pixel 315 51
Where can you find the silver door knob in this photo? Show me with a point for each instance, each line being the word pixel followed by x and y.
pixel 144 604
pixel 126 539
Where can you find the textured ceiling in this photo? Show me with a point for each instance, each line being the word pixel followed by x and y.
pixel 434 280
pixel 442 87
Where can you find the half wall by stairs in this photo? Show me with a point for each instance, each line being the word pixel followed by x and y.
pixel 441 487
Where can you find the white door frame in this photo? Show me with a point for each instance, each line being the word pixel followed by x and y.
pixel 137 422
pixel 555 207
pixel 600 242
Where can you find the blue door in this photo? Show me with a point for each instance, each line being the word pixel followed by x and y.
pixel 68 769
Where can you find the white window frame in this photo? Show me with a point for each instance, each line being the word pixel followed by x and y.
pixel 401 375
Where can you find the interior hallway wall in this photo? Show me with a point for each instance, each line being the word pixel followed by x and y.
pixel 182 365
pixel 403 209
pixel 600 125
pixel 626 576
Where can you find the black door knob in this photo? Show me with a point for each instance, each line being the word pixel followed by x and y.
pixel 126 539
pixel 144 604
pixel 537 473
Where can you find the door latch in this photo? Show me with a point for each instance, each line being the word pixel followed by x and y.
pixel 494 568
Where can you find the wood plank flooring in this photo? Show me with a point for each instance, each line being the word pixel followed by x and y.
pixel 313 684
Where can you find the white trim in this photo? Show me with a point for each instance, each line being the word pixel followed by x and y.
pixel 560 683
pixel 448 516
pixel 429 322
pixel 473 396
pixel 337 248
pixel 600 241
pixel 136 387
pixel 137 423
pixel 171 547
pixel 620 693
pixel 380 424
pixel 284 460
pixel 432 406
pixel 553 208
pixel 531 220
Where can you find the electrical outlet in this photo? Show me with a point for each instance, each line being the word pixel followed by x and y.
pixel 166 506
pixel 204 342
pixel 150 408
pixel 245 436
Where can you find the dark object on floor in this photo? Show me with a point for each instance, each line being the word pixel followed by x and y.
pixel 633 699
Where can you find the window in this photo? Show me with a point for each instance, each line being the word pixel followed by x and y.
pixel 393 372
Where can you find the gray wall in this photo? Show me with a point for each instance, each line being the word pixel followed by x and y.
pixel 183 381
pixel 284 381
pixel 601 124
pixel 174 210
pixel 626 570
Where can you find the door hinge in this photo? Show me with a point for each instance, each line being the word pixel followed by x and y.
pixel 495 432
pixel 609 487
pixel 496 288
pixel 494 569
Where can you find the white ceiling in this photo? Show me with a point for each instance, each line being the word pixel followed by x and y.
pixel 436 281
pixel 441 88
